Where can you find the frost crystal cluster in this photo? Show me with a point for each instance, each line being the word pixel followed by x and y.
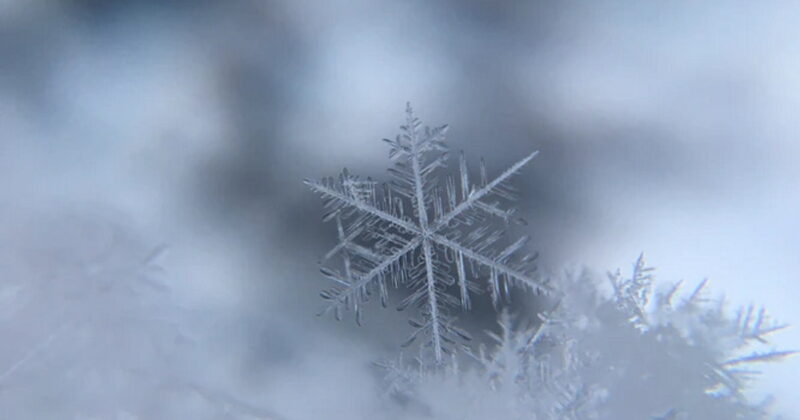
pixel 427 231
pixel 637 354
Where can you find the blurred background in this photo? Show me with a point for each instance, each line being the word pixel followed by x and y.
pixel 663 128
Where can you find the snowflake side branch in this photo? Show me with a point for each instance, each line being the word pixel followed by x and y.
pixel 347 243
pixel 760 357
pixel 344 240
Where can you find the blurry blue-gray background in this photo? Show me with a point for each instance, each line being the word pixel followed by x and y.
pixel 668 128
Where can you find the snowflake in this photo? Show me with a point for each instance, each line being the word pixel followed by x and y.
pixel 431 233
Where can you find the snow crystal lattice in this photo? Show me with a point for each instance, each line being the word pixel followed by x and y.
pixel 424 231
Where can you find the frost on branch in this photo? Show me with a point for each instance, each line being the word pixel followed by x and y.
pixel 637 354
pixel 426 230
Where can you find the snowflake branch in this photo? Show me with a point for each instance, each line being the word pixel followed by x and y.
pixel 366 278
pixel 474 196
pixel 493 264
pixel 422 214
pixel 434 307
pixel 360 205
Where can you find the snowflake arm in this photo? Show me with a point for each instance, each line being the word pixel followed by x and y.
pixel 344 199
pixel 422 214
pixel 357 285
pixel 472 198
pixel 497 264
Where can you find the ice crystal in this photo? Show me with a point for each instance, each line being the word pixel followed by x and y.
pixel 431 233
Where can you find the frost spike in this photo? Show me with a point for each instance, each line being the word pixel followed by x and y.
pixel 462 166
pixel 462 281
